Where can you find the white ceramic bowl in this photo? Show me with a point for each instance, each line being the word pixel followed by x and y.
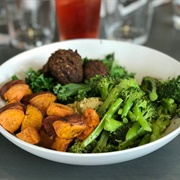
pixel 141 60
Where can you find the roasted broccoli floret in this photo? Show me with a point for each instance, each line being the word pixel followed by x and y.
pixel 76 147
pixel 102 85
pixel 150 86
pixel 169 106
pixel 144 111
pixel 133 141
pixel 115 93
pixel 130 96
pixel 105 85
pixel 119 134
pixel 159 125
pixel 178 110
pixel 170 89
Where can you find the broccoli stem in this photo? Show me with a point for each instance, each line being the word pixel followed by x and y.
pixel 127 106
pixel 133 130
pixel 102 143
pixel 170 105
pixel 113 95
pixel 156 133
pixel 127 143
pixel 112 124
pixel 104 92
pixel 110 112
pixel 94 134
pixel 145 139
pixel 149 85
pixel 159 126
pixel 141 119
pixel 153 95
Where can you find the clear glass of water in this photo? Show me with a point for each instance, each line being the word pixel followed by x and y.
pixel 128 20
pixel 176 14
pixel 31 23
pixel 4 35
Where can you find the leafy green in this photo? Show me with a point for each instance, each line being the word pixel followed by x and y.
pixel 38 82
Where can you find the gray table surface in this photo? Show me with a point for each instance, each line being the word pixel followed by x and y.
pixel 163 164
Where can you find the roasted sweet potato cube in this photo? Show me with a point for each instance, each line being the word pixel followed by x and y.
pixel 58 109
pixel 30 135
pixel 69 127
pixel 61 144
pixel 11 116
pixel 8 85
pixel 91 119
pixel 46 140
pixel 41 99
pixel 48 124
pixel 15 90
pixel 33 117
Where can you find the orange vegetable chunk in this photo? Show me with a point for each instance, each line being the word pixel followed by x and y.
pixel 15 90
pixel 58 109
pixel 30 135
pixel 48 124
pixel 69 127
pixel 33 117
pixel 61 144
pixel 41 100
pixel 91 119
pixel 11 116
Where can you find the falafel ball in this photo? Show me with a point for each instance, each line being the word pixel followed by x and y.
pixel 65 66
pixel 94 67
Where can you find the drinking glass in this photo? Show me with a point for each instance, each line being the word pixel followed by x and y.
pixel 78 18
pixel 176 14
pixel 128 20
pixel 31 23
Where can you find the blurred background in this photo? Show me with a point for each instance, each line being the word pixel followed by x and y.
pixel 162 33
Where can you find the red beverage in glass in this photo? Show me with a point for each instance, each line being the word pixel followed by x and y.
pixel 78 18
